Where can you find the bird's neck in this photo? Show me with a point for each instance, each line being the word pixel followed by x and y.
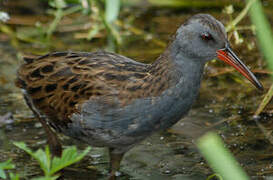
pixel 183 76
pixel 173 67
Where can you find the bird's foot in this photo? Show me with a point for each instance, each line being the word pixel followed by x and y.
pixel 114 174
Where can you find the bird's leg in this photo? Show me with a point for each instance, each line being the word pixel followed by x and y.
pixel 52 139
pixel 115 159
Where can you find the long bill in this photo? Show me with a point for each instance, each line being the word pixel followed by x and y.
pixel 229 57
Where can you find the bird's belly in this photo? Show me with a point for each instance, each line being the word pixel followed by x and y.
pixel 124 126
pixel 114 127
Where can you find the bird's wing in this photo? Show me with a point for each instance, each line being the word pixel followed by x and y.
pixel 58 83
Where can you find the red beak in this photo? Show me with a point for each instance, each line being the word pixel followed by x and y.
pixel 228 56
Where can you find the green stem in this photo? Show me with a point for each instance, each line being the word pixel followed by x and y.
pixel 265 101
pixel 242 14
pixel 72 10
pixel 52 27
pixel 263 29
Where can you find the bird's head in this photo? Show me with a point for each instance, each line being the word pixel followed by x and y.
pixel 203 38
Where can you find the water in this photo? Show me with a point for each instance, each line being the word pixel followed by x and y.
pixel 224 106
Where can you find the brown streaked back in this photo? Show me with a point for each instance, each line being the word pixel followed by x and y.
pixel 58 83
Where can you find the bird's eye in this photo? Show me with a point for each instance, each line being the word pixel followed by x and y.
pixel 206 36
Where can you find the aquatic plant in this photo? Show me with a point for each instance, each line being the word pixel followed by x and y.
pixel 49 165
pixel 6 165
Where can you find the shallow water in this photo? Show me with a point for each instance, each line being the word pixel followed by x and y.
pixel 224 105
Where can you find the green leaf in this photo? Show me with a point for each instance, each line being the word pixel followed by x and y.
pixel 112 10
pixel 43 157
pixel 46 178
pixel 69 156
pixel 5 165
pixel 14 176
pixel 23 146
pixel 2 174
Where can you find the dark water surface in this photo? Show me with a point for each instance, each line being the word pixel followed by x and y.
pixel 226 105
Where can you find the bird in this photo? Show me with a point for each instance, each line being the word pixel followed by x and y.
pixel 108 100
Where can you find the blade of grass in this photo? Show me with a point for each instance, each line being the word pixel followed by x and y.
pixel 265 101
pixel 219 158
pixel 110 16
pixel 112 10
pixel 263 30
pixel 55 22
pixel 188 3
